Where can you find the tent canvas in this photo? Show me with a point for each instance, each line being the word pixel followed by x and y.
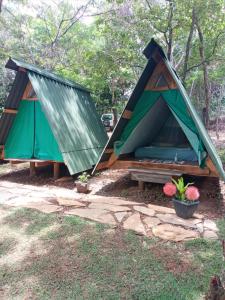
pixel 49 118
pixel 143 127
pixel 30 136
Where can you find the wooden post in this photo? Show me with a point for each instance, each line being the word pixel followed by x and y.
pixel 32 169
pixel 141 185
pixel 56 167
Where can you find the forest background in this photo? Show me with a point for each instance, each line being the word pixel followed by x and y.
pixel 99 44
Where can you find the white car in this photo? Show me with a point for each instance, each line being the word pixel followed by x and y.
pixel 108 121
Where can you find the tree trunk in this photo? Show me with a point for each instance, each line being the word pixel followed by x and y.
pixel 188 46
pixel 205 71
pixel 1 5
pixel 170 31
pixel 114 109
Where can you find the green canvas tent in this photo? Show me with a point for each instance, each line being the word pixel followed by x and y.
pixel 48 118
pixel 159 127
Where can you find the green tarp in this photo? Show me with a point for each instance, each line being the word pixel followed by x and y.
pixel 176 104
pixel 31 136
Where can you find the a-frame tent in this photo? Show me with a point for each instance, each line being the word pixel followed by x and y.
pixel 48 119
pixel 159 128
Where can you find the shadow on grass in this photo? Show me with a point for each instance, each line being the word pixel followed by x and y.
pixel 6 245
pixel 84 260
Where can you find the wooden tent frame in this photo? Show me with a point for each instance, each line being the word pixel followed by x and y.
pixel 115 162
pixel 34 163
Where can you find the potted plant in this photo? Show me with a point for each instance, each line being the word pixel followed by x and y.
pixel 185 197
pixel 82 184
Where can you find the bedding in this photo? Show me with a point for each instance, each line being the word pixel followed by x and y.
pixel 167 153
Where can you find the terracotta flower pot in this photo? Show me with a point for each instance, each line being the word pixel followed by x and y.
pixel 82 187
pixel 185 209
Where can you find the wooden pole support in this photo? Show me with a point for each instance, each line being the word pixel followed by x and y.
pixel 32 169
pixel 10 111
pixel 141 185
pixel 56 170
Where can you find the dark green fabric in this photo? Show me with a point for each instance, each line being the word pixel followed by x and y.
pixel 74 121
pixel 143 106
pixel 31 136
pixel 177 106
pixel 20 141
pixel 46 147
pixel 204 136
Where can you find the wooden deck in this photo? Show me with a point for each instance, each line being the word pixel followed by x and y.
pixel 184 168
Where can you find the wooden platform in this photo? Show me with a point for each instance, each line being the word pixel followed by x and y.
pixel 34 163
pixel 153 175
pixel 183 168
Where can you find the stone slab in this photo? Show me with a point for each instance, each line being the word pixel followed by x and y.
pixel 198 216
pixel 210 235
pixel 200 227
pixel 120 215
pixel 210 225
pixel 45 208
pixel 151 221
pixel 162 209
pixel 174 233
pixel 69 202
pixel 109 207
pixel 98 215
pixel 175 220
pixel 110 200
pixel 144 210
pixel 134 223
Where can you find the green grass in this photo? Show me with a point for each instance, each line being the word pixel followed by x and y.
pixel 47 256
pixel 222 154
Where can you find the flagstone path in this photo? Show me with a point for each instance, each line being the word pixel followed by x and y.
pixel 148 220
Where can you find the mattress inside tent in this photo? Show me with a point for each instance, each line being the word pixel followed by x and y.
pixel 160 137
pixel 166 153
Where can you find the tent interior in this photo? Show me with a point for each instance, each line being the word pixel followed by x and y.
pixel 30 136
pixel 159 136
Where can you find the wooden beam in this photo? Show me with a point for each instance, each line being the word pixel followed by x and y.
pixel 15 162
pixel 22 70
pixel 127 114
pixel 211 166
pixel 155 75
pixel 30 99
pixel 10 111
pixel 43 163
pixel 156 56
pixel 113 158
pixel 102 165
pixel 28 160
pixel 141 185
pixel 185 168
pixel 56 170
pixel 2 151
pixel 108 150
pixel 32 169
pixel 160 69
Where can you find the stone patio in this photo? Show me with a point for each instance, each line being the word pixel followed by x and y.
pixel 148 220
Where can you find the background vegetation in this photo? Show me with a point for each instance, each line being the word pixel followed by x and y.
pixel 99 43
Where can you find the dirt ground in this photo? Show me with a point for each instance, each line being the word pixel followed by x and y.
pixel 117 183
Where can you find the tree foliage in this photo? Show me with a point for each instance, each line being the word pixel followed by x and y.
pixel 99 43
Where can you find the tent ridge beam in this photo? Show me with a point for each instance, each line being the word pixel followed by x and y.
pixel 127 114
pixel 10 111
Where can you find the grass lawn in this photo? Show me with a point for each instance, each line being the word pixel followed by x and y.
pixel 48 256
